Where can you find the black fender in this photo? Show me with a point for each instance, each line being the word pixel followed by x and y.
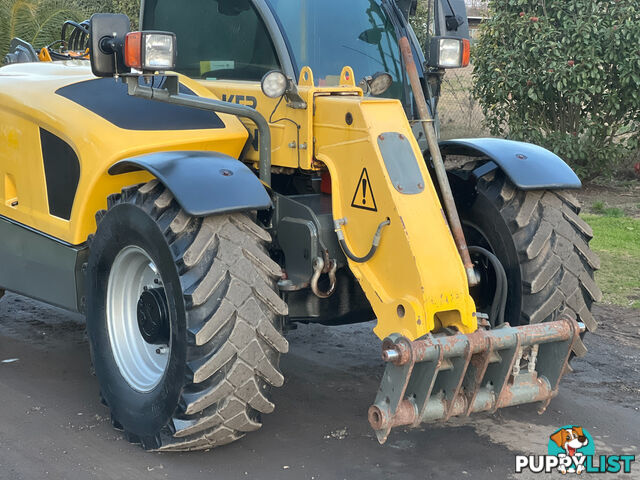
pixel 203 183
pixel 528 166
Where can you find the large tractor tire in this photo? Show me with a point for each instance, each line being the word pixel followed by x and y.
pixel 544 247
pixel 184 321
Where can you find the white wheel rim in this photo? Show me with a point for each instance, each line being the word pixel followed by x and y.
pixel 141 364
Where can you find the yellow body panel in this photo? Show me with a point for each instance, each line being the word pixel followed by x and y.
pixel 415 282
pixel 291 147
pixel 417 265
pixel 29 102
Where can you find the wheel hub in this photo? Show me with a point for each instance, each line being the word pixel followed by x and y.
pixel 153 316
pixel 138 319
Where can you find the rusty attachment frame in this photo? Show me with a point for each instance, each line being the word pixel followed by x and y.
pixel 439 377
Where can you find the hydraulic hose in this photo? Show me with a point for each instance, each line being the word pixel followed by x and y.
pixel 499 303
pixel 374 245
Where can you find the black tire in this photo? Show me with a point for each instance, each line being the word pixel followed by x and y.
pixel 543 245
pixel 225 320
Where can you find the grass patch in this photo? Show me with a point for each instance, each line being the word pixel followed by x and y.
pixel 617 240
pixel 601 208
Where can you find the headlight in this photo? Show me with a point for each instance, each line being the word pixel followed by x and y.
pixel 150 51
pixel 274 84
pixel 380 83
pixel 449 52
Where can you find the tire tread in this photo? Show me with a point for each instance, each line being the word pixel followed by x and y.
pixel 234 352
pixel 557 265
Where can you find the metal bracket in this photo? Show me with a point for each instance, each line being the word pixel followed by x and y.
pixel 436 378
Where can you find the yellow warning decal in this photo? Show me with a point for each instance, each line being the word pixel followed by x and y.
pixel 363 197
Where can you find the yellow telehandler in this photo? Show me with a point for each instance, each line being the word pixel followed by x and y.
pixel 241 165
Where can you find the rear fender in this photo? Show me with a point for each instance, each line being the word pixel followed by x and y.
pixel 203 183
pixel 528 166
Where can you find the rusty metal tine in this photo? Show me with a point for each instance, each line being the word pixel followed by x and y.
pixel 451 397
pixel 476 372
pixel 558 368
pixel 424 378
pixel 509 357
pixel 390 393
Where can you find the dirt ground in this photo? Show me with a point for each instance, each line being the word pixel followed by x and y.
pixel 625 196
pixel 52 424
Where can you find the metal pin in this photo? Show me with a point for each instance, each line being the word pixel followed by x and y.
pixel 390 355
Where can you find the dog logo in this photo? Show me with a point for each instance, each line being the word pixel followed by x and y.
pixel 573 443
pixel 571 449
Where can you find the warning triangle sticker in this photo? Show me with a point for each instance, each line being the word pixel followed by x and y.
pixel 363 197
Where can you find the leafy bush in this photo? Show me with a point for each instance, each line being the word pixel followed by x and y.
pixel 564 74
pixel 128 7
pixel 420 21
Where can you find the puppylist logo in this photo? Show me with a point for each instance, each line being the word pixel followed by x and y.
pixel 571 450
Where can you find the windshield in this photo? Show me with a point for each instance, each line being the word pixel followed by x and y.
pixel 219 39
pixel 327 35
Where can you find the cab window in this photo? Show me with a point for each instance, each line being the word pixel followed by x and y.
pixel 217 39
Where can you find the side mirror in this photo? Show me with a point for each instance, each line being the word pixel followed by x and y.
pixel 373 36
pixel 450 19
pixel 115 50
pixel 107 32
pixel 449 52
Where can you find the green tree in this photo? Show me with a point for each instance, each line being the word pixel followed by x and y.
pixel 38 22
pixel 564 74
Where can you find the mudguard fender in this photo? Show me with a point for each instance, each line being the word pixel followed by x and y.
pixel 203 183
pixel 528 166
